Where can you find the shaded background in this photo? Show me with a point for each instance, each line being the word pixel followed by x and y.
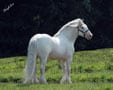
pixel 21 19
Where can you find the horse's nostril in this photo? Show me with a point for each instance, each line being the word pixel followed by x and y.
pixel 91 35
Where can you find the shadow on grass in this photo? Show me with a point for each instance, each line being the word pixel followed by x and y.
pixel 20 81
pixel 14 80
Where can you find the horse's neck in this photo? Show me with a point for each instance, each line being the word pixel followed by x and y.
pixel 68 33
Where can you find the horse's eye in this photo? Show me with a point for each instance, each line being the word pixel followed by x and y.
pixel 82 27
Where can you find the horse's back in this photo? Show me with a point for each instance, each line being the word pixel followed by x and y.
pixel 40 36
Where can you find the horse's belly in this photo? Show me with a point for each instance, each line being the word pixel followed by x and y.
pixel 52 56
pixel 57 55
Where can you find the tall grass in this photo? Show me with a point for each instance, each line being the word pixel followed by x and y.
pixel 91 70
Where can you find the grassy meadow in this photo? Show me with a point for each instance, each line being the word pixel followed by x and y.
pixel 91 70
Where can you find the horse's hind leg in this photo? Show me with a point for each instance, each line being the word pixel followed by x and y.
pixel 30 70
pixel 34 78
pixel 43 61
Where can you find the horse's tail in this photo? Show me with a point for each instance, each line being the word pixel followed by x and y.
pixel 30 69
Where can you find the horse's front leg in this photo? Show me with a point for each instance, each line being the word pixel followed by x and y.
pixel 66 66
pixel 43 61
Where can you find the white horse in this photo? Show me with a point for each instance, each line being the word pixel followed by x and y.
pixel 60 46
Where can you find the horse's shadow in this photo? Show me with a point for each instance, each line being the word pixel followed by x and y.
pixel 19 81
pixel 13 80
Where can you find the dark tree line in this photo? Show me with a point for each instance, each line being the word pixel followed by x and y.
pixel 21 19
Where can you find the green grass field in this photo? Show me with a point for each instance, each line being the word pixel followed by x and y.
pixel 91 70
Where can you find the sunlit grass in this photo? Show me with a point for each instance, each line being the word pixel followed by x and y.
pixel 91 70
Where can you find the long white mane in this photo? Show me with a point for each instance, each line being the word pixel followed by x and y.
pixel 74 22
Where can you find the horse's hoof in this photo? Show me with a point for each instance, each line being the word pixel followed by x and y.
pixel 68 82
pixel 26 82
pixel 65 80
pixel 43 81
pixel 31 81
pixel 35 81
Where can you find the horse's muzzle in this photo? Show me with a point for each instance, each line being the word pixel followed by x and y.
pixel 88 35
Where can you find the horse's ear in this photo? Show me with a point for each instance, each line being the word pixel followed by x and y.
pixel 80 22
pixel 82 19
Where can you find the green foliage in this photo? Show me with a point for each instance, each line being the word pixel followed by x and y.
pixel 91 70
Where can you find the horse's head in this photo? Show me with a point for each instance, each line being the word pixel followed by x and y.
pixel 82 29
